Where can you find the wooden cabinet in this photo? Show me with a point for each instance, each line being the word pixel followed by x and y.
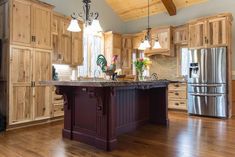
pixel 180 35
pixel 42 102
pixel 77 48
pixel 41 26
pixel 210 31
pixel 137 39
pixel 218 31
pixel 197 34
pixel 20 108
pixel 28 100
pixel 165 37
pixel 21 22
pixel 67 46
pixel 57 104
pixel 126 56
pixel 31 24
pixel 177 96
pixel 113 46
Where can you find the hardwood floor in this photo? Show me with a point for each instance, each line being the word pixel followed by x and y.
pixel 185 137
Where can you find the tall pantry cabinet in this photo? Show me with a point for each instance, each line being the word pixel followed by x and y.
pixel 29 60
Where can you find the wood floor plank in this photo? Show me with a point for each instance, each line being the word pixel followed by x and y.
pixel 185 137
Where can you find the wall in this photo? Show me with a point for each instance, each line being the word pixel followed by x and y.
pixel 108 19
pixel 211 7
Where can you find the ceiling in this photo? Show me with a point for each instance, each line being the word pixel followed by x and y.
pixel 135 9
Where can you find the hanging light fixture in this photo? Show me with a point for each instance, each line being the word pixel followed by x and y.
pixel 90 19
pixel 157 44
pixel 146 43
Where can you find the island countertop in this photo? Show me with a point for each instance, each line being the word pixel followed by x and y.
pixel 108 83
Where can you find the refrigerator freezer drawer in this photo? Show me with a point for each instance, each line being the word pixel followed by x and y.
pixel 214 105
pixel 207 88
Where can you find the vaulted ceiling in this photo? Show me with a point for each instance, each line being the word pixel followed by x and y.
pixel 135 9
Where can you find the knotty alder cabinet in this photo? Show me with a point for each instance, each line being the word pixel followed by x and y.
pixel 28 99
pixel 165 37
pixel 67 46
pixel 210 32
pixel 113 46
pixel 31 23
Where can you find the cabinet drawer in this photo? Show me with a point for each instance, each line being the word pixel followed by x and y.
pixel 58 110
pixel 177 95
pixel 177 104
pixel 177 86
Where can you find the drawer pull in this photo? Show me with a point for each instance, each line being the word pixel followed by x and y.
pixel 177 94
pixel 176 104
pixel 176 85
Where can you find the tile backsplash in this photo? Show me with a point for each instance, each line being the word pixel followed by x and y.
pixel 64 72
pixel 165 67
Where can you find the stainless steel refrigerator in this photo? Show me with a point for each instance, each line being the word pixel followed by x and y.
pixel 207 82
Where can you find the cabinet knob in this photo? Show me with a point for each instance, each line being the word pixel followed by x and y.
pixel 176 104
pixel 177 94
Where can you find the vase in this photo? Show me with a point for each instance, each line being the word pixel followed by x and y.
pixel 139 75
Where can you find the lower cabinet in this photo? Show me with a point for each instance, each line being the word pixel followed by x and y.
pixel 177 96
pixel 42 102
pixel 57 104
pixel 28 100
pixel 20 108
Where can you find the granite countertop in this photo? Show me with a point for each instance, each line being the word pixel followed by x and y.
pixel 108 83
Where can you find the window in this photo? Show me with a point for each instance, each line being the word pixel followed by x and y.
pixel 92 47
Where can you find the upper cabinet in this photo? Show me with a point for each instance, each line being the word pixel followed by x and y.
pixel 137 39
pixel 180 35
pixel 31 24
pixel 67 46
pixel 41 26
pixel 113 46
pixel 21 22
pixel 126 55
pixel 210 32
pixel 165 38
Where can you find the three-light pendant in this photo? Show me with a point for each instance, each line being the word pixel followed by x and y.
pixel 92 24
pixel 145 44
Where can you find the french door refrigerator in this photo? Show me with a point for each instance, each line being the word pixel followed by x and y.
pixel 207 82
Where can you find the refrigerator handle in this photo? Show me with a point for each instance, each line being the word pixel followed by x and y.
pixel 206 95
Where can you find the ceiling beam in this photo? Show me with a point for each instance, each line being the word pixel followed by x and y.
pixel 170 7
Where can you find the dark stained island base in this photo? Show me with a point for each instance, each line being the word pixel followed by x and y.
pixel 96 112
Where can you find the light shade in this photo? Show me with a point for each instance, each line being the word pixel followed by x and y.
pixel 146 44
pixel 74 26
pixel 96 26
pixel 89 30
pixel 142 46
pixel 157 45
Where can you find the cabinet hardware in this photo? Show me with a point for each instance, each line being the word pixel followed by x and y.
pixel 177 94
pixel 176 104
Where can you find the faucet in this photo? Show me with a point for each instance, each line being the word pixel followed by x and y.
pixel 95 72
pixel 154 76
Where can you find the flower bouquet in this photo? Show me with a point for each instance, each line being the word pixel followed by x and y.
pixel 140 65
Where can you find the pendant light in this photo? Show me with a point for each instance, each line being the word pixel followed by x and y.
pixel 90 19
pixel 157 44
pixel 146 43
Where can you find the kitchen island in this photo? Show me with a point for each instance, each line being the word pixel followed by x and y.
pixel 96 112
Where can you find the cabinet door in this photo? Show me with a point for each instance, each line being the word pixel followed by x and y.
pixel 20 103
pixel 197 34
pixel 181 35
pixel 77 48
pixel 108 44
pixel 42 102
pixel 217 32
pixel 21 23
pixel 41 27
pixel 20 65
pixel 20 106
pixel 56 56
pixel 126 61
pixel 65 41
pixel 42 66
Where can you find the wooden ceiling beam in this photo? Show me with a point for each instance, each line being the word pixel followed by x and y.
pixel 170 7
